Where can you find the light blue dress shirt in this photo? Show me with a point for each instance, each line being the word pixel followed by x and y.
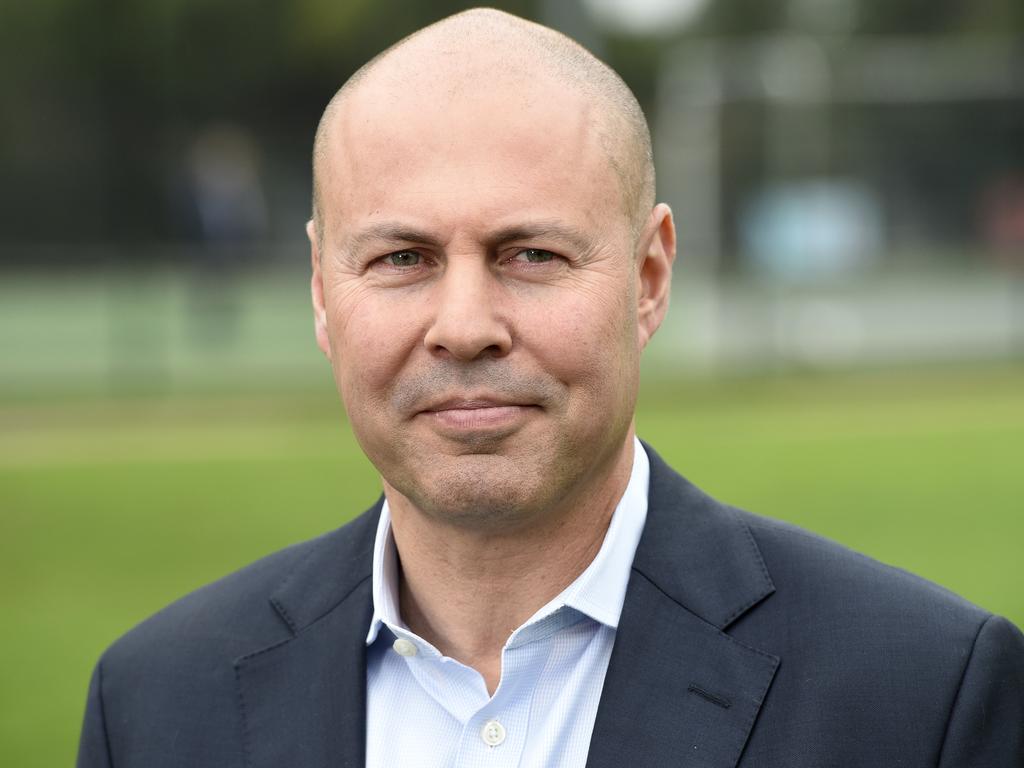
pixel 425 710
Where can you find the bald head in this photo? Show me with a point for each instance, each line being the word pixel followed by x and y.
pixel 478 51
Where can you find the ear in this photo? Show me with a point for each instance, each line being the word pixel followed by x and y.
pixel 317 289
pixel 654 271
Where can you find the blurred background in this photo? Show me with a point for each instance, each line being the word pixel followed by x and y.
pixel 845 348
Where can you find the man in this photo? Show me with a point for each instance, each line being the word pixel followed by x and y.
pixel 535 588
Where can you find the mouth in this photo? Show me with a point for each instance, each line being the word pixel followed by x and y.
pixel 478 414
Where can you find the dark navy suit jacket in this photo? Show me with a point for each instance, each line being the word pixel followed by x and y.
pixel 743 642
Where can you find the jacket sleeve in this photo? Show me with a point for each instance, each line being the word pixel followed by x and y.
pixel 94 747
pixel 986 725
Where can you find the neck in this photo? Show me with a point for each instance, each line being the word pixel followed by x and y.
pixel 465 590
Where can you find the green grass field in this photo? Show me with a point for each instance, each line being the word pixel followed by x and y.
pixel 110 509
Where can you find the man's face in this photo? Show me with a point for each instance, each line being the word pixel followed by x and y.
pixel 476 291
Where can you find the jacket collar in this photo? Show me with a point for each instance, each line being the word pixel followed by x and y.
pixel 699 552
pixel 337 563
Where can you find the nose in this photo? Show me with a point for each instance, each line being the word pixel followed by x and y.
pixel 468 322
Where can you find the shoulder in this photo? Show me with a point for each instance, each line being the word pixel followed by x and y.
pixel 802 576
pixel 800 596
pixel 236 614
pixel 810 570
pixel 836 605
pixel 876 642
pixel 176 672
pixel 862 647
pixel 846 625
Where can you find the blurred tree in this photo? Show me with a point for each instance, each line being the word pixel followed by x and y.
pixel 744 18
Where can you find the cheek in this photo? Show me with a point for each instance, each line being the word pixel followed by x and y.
pixel 371 337
pixel 586 338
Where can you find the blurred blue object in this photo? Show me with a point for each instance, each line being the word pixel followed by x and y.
pixel 812 229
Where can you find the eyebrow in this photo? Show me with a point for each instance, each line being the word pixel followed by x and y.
pixel 390 232
pixel 399 233
pixel 543 230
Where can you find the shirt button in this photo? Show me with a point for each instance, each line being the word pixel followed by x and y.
pixel 493 733
pixel 404 647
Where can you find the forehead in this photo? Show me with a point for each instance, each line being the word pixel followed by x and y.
pixel 467 145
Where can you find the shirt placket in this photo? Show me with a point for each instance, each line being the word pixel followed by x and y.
pixel 495 735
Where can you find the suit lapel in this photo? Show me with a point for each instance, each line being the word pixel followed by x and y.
pixel 303 700
pixel 679 690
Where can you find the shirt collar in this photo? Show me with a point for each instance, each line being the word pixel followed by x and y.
pixel 599 592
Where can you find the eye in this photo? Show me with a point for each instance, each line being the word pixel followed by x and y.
pixel 402 259
pixel 534 256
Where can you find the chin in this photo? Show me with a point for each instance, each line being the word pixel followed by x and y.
pixel 484 497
